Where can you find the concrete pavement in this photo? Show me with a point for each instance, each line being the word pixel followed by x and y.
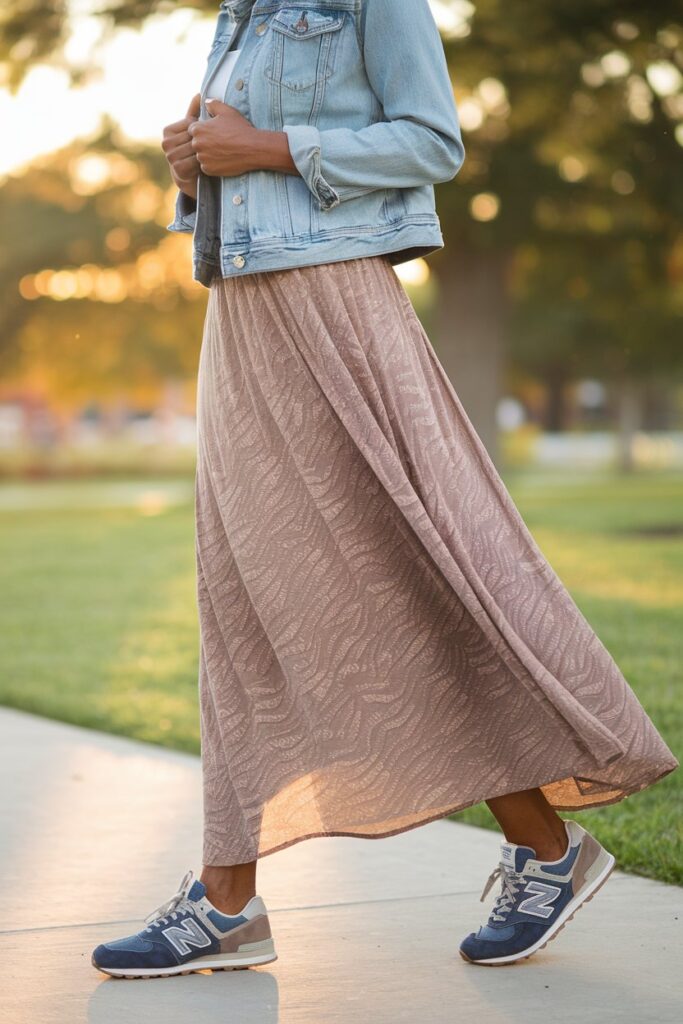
pixel 97 831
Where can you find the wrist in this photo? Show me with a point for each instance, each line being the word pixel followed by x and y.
pixel 271 152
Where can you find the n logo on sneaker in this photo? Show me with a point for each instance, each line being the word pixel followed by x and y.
pixel 187 935
pixel 539 905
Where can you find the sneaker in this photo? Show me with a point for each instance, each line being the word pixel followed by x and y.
pixel 537 897
pixel 188 934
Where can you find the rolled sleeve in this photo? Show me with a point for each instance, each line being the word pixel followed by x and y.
pixel 305 145
pixel 185 213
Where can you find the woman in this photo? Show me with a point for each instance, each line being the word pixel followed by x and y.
pixel 382 642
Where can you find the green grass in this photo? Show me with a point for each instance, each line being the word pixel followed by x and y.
pixel 629 585
pixel 100 622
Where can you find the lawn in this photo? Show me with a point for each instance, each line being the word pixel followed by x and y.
pixel 100 624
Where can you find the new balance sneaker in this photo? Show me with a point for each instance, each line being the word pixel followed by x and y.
pixel 188 934
pixel 537 898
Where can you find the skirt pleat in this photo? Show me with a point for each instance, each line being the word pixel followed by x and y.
pixel 382 642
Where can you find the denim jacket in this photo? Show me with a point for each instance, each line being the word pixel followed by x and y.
pixel 361 87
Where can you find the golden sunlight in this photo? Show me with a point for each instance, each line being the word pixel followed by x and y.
pixel 414 272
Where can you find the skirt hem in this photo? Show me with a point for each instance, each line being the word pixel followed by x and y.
pixel 643 782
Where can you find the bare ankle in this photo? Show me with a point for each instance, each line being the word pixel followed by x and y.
pixel 551 847
pixel 231 903
pixel 549 844
pixel 229 888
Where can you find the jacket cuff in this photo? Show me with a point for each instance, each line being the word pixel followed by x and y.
pixel 185 213
pixel 304 145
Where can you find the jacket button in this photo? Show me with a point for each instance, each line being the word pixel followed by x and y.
pixel 260 29
pixel 239 261
pixel 237 200
pixel 239 84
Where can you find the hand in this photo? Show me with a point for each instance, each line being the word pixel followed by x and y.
pixel 177 145
pixel 225 144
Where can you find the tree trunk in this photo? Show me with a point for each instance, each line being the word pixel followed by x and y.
pixel 629 417
pixel 555 380
pixel 470 331
pixel 659 404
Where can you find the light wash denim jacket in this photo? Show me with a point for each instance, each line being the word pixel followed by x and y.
pixel 361 87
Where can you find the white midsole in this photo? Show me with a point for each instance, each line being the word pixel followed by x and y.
pixel 580 897
pixel 220 960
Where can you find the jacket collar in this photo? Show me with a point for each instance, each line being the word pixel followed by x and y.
pixel 238 8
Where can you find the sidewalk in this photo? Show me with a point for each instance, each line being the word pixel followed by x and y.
pixel 97 831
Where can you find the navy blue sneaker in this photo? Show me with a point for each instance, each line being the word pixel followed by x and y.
pixel 188 934
pixel 537 897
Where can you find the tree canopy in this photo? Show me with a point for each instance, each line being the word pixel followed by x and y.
pixel 572 118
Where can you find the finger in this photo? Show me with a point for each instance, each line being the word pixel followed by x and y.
pixel 185 158
pixel 195 106
pixel 178 128
pixel 200 134
pixel 188 169
pixel 217 107
pixel 173 143
pixel 184 150
pixel 181 159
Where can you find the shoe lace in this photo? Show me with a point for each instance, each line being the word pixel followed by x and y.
pixel 511 881
pixel 171 908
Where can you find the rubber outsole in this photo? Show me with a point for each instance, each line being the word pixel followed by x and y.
pixel 525 956
pixel 190 968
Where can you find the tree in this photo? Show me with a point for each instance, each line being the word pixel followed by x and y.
pixel 563 249
pixel 88 271
pixel 568 207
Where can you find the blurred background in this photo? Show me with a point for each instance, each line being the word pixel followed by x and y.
pixel 555 307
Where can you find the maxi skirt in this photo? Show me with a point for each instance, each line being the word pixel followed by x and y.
pixel 382 642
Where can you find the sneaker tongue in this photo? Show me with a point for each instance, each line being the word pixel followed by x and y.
pixel 516 856
pixel 197 891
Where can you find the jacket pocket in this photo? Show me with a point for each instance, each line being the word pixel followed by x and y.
pixel 303 47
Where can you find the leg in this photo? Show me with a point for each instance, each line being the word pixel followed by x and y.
pixel 528 819
pixel 229 888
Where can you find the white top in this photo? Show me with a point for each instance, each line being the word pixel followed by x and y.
pixel 221 76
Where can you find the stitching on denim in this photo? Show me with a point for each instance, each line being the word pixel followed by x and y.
pixel 323 189
pixel 265 246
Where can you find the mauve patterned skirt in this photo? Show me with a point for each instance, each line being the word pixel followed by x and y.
pixel 382 642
